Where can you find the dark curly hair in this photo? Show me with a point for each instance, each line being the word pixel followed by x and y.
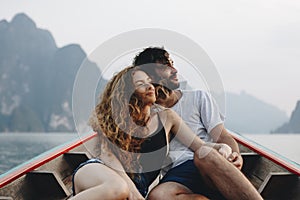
pixel 119 120
pixel 147 61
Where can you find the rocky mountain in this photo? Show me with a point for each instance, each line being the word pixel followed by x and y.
pixel 293 125
pixel 247 114
pixel 36 78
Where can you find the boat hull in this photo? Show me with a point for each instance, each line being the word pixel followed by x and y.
pixel 50 176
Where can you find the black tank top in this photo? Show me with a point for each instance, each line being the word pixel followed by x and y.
pixel 153 153
pixel 154 149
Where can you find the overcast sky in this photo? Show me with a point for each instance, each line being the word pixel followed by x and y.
pixel 254 44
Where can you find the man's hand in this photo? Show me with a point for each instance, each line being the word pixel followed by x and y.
pixel 236 159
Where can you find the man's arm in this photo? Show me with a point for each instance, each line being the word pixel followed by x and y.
pixel 221 135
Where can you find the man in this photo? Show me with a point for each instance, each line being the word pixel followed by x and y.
pixel 199 175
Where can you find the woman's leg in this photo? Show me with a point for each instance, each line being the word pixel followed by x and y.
pixel 97 181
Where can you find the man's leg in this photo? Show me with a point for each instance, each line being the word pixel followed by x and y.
pixel 223 175
pixel 173 190
pixel 181 182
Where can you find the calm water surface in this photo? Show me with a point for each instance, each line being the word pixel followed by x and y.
pixel 287 145
pixel 16 148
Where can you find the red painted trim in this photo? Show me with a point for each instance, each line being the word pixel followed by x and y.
pixel 277 160
pixel 41 161
pixel 52 155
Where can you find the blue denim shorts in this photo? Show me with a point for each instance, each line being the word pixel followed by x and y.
pixel 188 175
pixel 141 183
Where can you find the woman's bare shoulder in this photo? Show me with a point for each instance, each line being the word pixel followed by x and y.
pixel 168 115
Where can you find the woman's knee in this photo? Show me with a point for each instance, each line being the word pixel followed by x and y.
pixel 98 178
pixel 114 189
pixel 117 190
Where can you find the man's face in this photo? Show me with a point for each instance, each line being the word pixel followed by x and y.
pixel 167 73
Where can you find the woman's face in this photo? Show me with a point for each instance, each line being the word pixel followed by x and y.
pixel 143 87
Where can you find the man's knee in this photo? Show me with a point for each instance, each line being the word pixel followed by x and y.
pixel 167 190
pixel 155 193
pixel 207 157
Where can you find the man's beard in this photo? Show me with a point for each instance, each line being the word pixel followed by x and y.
pixel 169 84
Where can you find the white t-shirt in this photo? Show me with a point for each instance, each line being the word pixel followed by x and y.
pixel 200 112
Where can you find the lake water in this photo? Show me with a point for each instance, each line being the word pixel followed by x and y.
pixel 287 145
pixel 17 148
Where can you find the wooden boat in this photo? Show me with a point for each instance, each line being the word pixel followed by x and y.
pixel 49 176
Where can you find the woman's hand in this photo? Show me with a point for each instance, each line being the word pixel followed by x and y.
pixel 236 159
pixel 134 194
pixel 224 149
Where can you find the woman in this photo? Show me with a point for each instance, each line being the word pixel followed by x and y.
pixel 134 140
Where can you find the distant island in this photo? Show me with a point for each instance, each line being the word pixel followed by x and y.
pixel 36 82
pixel 247 114
pixel 293 125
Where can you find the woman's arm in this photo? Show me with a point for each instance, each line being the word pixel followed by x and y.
pixel 113 162
pixel 221 135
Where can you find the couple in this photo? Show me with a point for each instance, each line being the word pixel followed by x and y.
pixel 135 134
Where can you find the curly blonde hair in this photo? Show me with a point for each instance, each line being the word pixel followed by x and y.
pixel 119 118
